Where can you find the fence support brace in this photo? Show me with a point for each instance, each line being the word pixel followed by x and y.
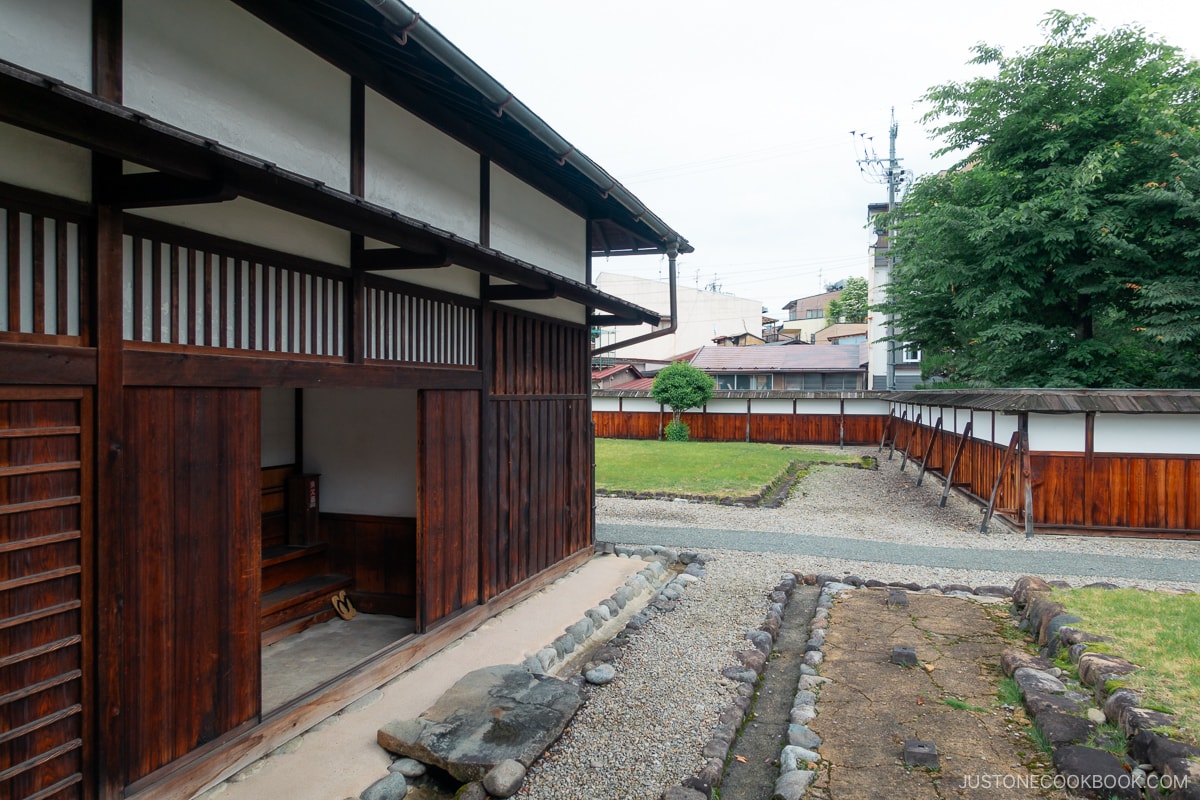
pixel 912 434
pixel 966 434
pixel 1013 444
pixel 937 431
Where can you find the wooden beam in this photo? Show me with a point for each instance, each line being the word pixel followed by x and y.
pixel 144 367
pixel 47 364
pixel 495 293
pixel 158 189
pixel 385 258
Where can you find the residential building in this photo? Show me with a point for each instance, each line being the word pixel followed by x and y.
pixel 746 339
pixel 296 300
pixel 806 315
pixel 703 315
pixel 894 366
pixel 841 333
pixel 818 367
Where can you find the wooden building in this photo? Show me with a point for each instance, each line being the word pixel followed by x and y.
pixel 295 299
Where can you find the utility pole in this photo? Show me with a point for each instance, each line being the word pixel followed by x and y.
pixel 886 171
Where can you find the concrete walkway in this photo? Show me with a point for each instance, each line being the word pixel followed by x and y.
pixel 973 558
pixel 340 757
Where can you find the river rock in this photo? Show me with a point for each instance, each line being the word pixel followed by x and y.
pixel 1098 774
pixel 488 716
pixel 1035 680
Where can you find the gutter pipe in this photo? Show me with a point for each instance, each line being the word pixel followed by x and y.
pixel 411 26
pixel 672 326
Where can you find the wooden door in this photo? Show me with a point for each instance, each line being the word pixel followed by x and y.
pixel 190 663
pixel 44 562
pixel 448 504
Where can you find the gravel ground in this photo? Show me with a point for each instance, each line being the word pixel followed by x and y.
pixel 645 731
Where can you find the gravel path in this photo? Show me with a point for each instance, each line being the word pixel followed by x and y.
pixel 645 731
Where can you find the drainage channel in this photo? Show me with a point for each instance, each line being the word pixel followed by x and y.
pixel 765 731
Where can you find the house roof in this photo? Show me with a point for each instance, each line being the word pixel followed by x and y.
pixel 357 39
pixel 1059 401
pixel 613 369
pixel 814 358
pixel 408 59
pixel 636 385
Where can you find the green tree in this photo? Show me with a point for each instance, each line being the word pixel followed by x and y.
pixel 681 386
pixel 851 305
pixel 1064 248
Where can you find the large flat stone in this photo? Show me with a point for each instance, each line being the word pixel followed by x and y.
pixel 490 715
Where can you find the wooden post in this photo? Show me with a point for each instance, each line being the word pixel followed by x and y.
pixel 842 424
pixel 1026 473
pixel 886 427
pixel 748 419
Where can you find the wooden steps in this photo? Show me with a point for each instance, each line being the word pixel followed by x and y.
pixel 295 606
pixel 284 564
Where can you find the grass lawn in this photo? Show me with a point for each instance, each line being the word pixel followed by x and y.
pixel 1156 631
pixel 734 469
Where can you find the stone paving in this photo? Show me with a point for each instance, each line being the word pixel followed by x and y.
pixel 872 706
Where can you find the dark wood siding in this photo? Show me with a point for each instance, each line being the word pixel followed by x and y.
pixel 44 536
pixel 774 428
pixel 380 554
pixel 536 508
pixel 448 497
pixel 190 662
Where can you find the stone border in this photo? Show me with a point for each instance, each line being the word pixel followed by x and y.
pixel 1152 760
pixel 772 495
pixel 507 777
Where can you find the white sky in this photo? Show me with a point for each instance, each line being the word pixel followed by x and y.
pixel 732 121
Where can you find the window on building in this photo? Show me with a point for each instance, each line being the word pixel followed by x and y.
pixel 814 313
pixel 911 354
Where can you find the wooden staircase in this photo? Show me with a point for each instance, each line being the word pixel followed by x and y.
pixel 297 588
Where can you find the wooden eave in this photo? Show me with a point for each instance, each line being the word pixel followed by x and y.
pixel 1058 401
pixel 49 107
pixel 358 41
pixel 753 394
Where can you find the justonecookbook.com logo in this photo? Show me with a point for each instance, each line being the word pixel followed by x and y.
pixel 1098 783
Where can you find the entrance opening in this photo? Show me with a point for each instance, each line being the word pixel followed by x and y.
pixel 338 533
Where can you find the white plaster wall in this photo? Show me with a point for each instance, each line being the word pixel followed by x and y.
pixel 858 407
pixel 54 38
pixel 606 404
pixel 640 404
pixel 278 427
pixel 725 406
pixel 45 164
pixel 530 226
pixel 419 171
pixel 216 70
pixel 254 223
pixel 1169 434
pixel 556 309
pixel 1064 433
pixel 364 445
pixel 456 280
pixel 1006 426
pixel 771 406
pixel 702 316
pixel 818 406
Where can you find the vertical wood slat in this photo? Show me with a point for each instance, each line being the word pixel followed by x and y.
pixel 14 270
pixel 39 274
pixel 139 282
